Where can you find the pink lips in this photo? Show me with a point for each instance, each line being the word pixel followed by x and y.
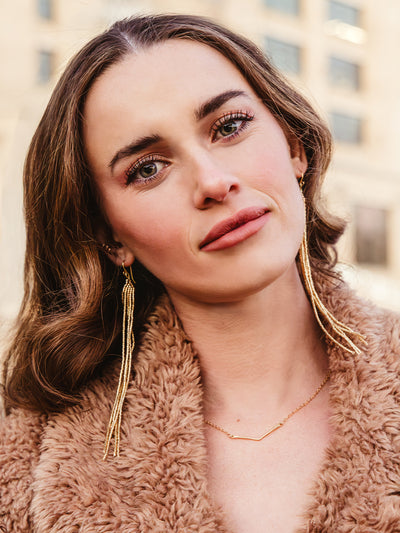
pixel 235 229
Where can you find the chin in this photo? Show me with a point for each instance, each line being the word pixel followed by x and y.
pixel 236 288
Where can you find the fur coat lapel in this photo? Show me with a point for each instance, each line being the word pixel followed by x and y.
pixel 358 488
pixel 159 482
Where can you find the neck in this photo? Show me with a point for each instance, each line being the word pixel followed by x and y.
pixel 263 352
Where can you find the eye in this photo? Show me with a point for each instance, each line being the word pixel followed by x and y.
pixel 230 125
pixel 145 170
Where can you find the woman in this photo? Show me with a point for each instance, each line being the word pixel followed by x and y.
pixel 175 163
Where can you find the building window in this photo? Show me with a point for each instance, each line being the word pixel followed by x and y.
pixel 287 6
pixel 44 9
pixel 344 74
pixel 371 226
pixel 346 128
pixel 44 66
pixel 344 13
pixel 285 56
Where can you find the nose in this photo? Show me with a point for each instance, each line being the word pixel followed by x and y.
pixel 213 182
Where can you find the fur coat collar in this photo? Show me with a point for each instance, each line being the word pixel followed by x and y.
pixel 53 478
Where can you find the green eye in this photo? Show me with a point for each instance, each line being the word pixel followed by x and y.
pixel 148 170
pixel 229 128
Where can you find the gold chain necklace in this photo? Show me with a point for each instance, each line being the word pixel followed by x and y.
pixel 277 426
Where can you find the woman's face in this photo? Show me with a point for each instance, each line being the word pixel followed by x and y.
pixel 195 176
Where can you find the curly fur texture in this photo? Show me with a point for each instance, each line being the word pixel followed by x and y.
pixel 53 479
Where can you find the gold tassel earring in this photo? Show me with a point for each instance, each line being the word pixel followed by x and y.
pixel 321 313
pixel 128 344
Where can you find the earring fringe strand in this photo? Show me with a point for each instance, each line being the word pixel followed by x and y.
pixel 320 311
pixel 128 344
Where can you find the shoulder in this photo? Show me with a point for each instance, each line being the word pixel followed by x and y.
pixel 32 444
pixel 374 372
pixel 380 327
pixel 20 435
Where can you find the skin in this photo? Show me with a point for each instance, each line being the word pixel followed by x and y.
pixel 244 306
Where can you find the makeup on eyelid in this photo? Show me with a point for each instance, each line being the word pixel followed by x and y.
pixel 140 165
pixel 244 116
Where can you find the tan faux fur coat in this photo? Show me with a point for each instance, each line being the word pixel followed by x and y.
pixel 53 479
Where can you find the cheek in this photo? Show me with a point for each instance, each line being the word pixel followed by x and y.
pixel 143 225
pixel 269 164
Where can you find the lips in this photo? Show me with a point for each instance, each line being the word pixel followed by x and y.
pixel 227 232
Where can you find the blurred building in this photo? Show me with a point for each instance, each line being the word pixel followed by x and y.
pixel 339 53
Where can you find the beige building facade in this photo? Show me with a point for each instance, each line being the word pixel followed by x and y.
pixel 340 54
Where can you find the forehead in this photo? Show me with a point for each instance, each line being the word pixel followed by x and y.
pixel 174 70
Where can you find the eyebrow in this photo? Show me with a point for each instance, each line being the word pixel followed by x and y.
pixel 204 110
pixel 216 102
pixel 134 148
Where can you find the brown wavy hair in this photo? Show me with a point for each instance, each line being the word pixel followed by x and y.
pixel 68 325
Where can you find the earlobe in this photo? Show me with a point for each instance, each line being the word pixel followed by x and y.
pixel 124 256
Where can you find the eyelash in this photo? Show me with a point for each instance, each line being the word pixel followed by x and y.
pixel 140 163
pixel 244 116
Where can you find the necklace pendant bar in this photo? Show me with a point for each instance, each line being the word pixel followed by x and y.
pixel 277 426
pixel 271 430
pixel 257 439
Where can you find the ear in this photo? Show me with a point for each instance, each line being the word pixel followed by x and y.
pixel 120 254
pixel 117 252
pixel 298 156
